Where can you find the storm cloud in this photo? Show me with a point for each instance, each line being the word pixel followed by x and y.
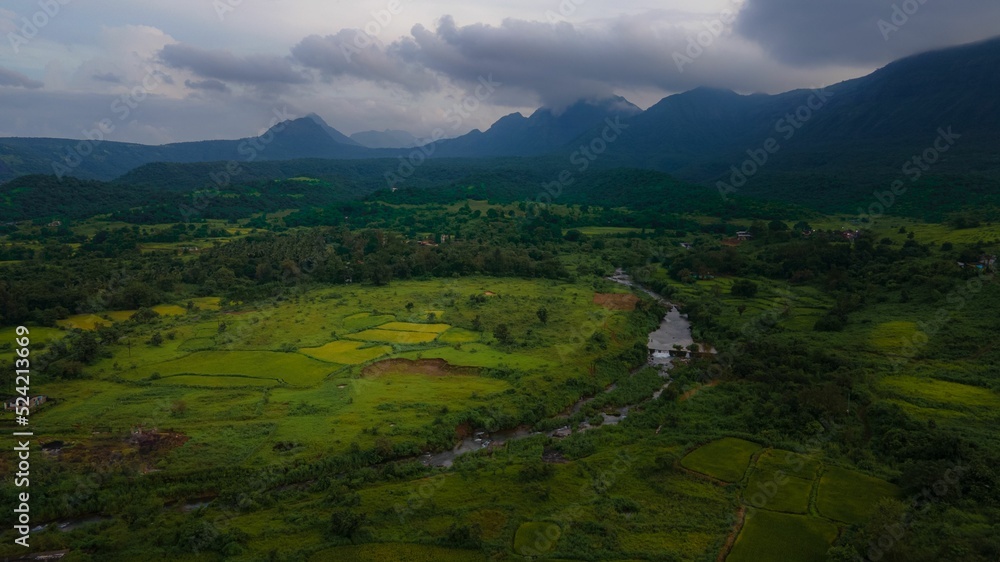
pixel 863 32
pixel 558 63
pixel 364 68
pixel 225 66
pixel 16 79
pixel 353 53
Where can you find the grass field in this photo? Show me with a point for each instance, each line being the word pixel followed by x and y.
pixel 392 336
pixel 36 337
pixel 84 322
pixel 346 352
pixel 217 381
pixel 772 486
pixel 412 327
pixel 778 537
pixel 849 496
pixel 536 537
pixel 458 335
pixel 364 320
pixel 726 459
pixel 940 392
pixel 893 337
pixel 292 368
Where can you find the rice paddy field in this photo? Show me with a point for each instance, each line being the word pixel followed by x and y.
pixel 794 502
pixel 297 367
pixel 726 459
pixel 313 422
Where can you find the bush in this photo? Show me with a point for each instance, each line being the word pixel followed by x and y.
pixel 744 289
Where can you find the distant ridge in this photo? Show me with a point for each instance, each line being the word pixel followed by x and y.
pixel 873 122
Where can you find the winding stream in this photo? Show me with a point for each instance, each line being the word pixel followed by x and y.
pixel 675 329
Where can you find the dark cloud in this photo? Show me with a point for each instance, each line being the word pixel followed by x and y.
pixel 353 53
pixel 109 77
pixel 210 84
pixel 562 63
pixel 225 66
pixel 17 80
pixel 863 32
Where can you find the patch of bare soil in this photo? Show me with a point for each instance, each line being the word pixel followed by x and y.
pixel 731 539
pixel 615 301
pixel 551 456
pixel 430 367
pixel 691 393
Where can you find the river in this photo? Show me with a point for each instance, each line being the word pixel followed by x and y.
pixel 675 329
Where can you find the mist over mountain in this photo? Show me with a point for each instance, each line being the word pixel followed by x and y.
pixel 386 139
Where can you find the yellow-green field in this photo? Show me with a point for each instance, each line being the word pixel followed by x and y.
pixel 392 336
pixel 948 394
pixel 894 337
pixel 726 459
pixel 292 368
pixel 347 352
pixel 849 496
pixel 779 537
pixel 412 327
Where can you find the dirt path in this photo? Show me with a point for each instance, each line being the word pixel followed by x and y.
pixel 691 393
pixel 731 539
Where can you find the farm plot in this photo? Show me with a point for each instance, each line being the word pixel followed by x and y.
pixel 849 496
pixel 782 481
pixel 778 537
pixel 346 352
pixel 291 368
pixel 536 538
pixel 726 459
pixel 413 327
pixel 391 336
pixel 938 392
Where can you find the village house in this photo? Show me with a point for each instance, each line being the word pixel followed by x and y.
pixel 744 235
pixel 33 402
pixel 985 263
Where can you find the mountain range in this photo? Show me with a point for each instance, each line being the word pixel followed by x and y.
pixel 705 135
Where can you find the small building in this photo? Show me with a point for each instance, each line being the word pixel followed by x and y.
pixel 687 245
pixel 54 224
pixel 744 235
pixel 33 402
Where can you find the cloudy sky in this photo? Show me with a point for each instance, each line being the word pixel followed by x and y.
pixel 208 69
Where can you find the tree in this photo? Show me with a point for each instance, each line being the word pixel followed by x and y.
pixel 502 334
pixel 344 522
pixel 156 340
pixel 777 226
pixel 543 315
pixel 744 288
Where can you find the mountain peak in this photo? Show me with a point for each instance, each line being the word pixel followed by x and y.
pixel 334 133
